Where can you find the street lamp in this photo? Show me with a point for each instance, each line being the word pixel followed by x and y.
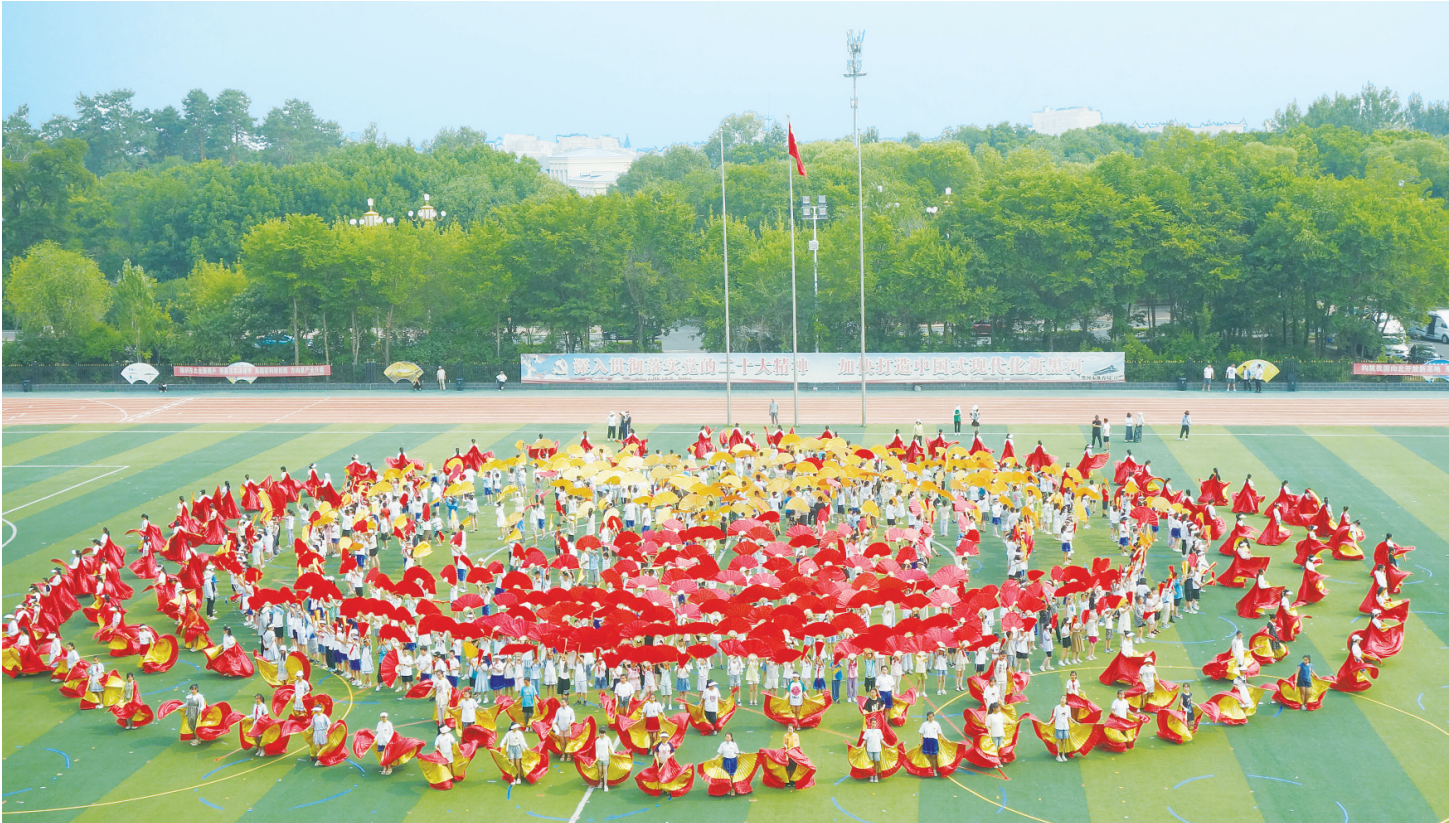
pixel 427 213
pixel 370 218
pixel 813 213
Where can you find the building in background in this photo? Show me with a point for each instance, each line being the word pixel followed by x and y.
pixel 1208 129
pixel 588 165
pixel 1056 122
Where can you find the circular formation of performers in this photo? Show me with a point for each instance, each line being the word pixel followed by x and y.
pixel 795 570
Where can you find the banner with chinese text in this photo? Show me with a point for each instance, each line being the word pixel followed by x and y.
pixel 956 367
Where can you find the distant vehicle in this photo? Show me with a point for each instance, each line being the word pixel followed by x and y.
pixel 982 328
pixel 269 340
pixel 1422 353
pixel 1435 328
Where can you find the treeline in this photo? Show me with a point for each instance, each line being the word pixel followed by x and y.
pixel 1268 242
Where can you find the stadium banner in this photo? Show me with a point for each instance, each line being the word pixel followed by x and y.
pixel 246 371
pixel 1433 368
pixel 954 367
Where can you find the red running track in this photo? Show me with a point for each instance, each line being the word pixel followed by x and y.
pixel 654 408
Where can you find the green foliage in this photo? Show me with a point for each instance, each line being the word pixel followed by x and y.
pixel 218 231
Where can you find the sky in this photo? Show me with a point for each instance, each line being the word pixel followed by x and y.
pixel 666 72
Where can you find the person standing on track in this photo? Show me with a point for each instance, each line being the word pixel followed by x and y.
pixel 1207 377
pixel 613 425
pixel 774 413
pixel 501 378
pixel 1096 432
pixel 442 379
pixel 956 419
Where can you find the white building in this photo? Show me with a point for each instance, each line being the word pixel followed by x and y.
pixel 588 171
pixel 588 165
pixel 1208 129
pixel 1056 122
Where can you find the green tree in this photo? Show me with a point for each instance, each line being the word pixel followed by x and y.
pixel 293 133
pixel 134 310
pixel 57 293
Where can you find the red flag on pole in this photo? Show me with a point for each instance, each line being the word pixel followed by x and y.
pixel 795 152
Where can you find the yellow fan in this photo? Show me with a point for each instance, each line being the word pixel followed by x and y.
pixel 422 550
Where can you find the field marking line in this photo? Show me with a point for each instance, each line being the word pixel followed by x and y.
pixel 578 812
pixel 160 408
pixel 125 415
pixel 14 533
pixel 300 409
pixel 69 488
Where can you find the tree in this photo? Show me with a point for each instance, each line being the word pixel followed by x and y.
pixel 134 309
pixel 216 304
pixel 290 260
pixel 451 140
pixel 20 136
pixel 197 120
pixel 293 133
pixel 39 194
pixel 231 136
pixel 57 293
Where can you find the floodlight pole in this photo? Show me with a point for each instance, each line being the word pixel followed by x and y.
pixel 725 229
pixel 853 71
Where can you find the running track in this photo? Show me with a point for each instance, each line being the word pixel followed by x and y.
pixel 652 408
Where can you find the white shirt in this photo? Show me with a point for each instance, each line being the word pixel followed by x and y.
pixel 711 699
pixel 383 733
pixel 603 748
pixel 1061 717
pixel 930 730
pixel 729 748
pixel 1120 707
pixel 884 682
pixel 444 746
pixel 872 739
pixel 996 724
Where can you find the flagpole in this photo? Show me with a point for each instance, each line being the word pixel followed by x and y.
pixel 794 326
pixel 725 228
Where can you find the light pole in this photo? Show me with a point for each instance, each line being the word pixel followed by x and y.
pixel 427 214
pixel 813 213
pixel 853 43
pixel 369 218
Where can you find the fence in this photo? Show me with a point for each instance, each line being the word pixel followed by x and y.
pixel 479 374
pixel 362 373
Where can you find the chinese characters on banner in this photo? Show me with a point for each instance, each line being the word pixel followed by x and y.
pixel 243 371
pixel 1424 370
pixel 986 367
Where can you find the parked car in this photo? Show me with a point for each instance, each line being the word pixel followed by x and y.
pixel 1422 353
pixel 982 328
pixel 269 340
pixel 1435 328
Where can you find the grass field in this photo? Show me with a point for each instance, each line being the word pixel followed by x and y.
pixel 1380 756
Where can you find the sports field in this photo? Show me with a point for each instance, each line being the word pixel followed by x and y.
pixel 73 464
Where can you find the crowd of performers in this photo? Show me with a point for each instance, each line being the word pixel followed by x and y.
pixel 796 570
